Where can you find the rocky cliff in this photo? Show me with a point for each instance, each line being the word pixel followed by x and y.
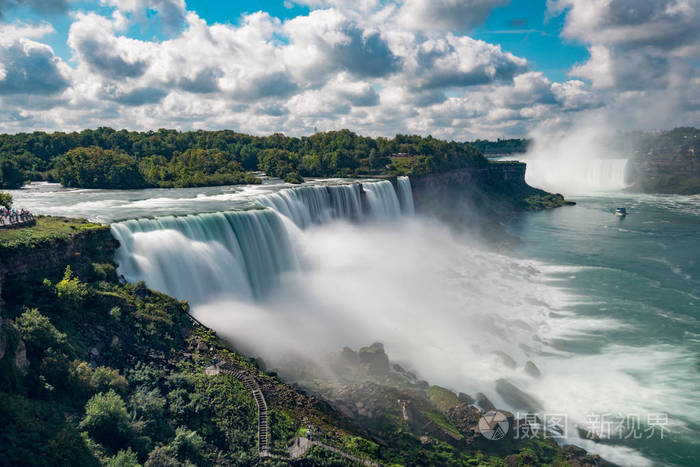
pixel 679 173
pixel 480 197
pixel 33 257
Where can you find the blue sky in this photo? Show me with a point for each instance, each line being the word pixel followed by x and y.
pixel 452 68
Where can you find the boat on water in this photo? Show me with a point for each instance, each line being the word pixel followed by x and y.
pixel 621 212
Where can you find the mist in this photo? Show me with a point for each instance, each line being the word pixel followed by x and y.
pixel 582 159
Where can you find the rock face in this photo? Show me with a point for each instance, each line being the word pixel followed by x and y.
pixel 79 251
pixel 475 197
pixel 375 357
pixel 3 340
pixel 679 173
pixel 21 361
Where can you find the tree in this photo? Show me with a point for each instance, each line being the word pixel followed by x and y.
pixel 374 159
pixel 5 199
pixel 71 291
pixel 123 458
pixel 107 421
pixel 38 332
pixel 10 175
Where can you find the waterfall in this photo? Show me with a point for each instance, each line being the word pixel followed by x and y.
pixel 237 254
pixel 317 204
pixel 242 254
pixel 606 174
pixel 570 175
pixel 405 195
pixel 382 200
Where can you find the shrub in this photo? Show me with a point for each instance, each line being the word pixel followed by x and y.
pixel 38 333
pixel 5 199
pixel 71 291
pixel 188 445
pixel 107 421
pixel 104 378
pixel 124 459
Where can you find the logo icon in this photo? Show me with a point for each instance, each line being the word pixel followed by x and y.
pixel 493 425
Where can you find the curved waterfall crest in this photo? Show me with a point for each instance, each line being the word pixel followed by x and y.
pixel 243 254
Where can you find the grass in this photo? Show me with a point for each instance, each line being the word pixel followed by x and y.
pixel 46 229
pixel 442 398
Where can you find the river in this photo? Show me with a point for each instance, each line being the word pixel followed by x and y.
pixel 606 308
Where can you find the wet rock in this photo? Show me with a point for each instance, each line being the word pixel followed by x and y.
pixel 465 418
pixel 465 398
pixel 375 358
pixel 506 359
pixel 422 384
pixel 516 397
pixel 349 356
pixel 3 339
pixel 532 370
pixel 483 402
pixel 21 361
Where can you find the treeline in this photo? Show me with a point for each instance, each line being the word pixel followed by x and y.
pixel 502 146
pixel 106 158
pixel 683 141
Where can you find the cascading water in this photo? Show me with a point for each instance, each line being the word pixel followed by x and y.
pixel 241 254
pixel 234 254
pixel 317 204
pixel 606 174
pixel 405 195
pixel 382 200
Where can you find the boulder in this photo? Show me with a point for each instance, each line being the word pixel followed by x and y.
pixel 3 339
pixel 375 358
pixel 21 361
pixel 483 402
pixel 532 370
pixel 516 397
pixel 465 398
pixel 506 359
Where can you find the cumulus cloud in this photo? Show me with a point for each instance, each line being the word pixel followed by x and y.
pixel 40 6
pixel 367 65
pixel 633 44
pixel 459 61
pixel 446 15
pixel 93 38
pixel 326 41
pixel 27 66
pixel 171 13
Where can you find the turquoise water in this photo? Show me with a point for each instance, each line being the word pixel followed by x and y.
pixel 643 273
pixel 608 309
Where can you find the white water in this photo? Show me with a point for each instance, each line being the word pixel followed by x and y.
pixel 320 270
pixel 577 162
pixel 577 176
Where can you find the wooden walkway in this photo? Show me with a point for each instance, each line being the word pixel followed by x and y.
pixel 252 385
pixel 11 222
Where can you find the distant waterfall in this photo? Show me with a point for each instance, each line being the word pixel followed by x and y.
pixel 577 174
pixel 606 174
pixel 242 254
pixel 405 195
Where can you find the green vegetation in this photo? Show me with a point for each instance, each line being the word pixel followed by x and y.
pixel 502 146
pixel 46 230
pixel 5 199
pixel 105 158
pixel 668 162
pixel 683 141
pixel 100 372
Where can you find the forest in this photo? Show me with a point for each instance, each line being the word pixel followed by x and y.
pixel 107 158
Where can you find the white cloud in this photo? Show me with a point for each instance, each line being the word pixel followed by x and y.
pixel 362 65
